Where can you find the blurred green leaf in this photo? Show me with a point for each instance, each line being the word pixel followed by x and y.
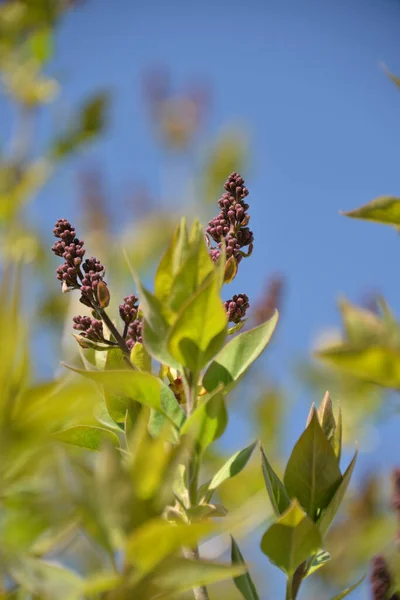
pixel 375 364
pixel 238 355
pixel 348 591
pixel 158 539
pixel 171 262
pixel 276 490
pixel 291 540
pixel 244 583
pixel 312 474
pixel 42 44
pixel 385 210
pixel 87 436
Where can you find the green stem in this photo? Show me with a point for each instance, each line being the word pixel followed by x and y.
pixel 117 336
pixel 289 595
pixel 193 468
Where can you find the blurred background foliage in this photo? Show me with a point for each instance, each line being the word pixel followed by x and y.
pixel 55 501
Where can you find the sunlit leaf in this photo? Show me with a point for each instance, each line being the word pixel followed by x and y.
pixel 238 355
pixel 385 210
pixel 291 540
pixel 318 561
pixel 233 466
pixel 208 422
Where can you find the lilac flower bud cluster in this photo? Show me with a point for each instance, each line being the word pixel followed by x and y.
pixel 129 313
pixel 74 273
pixel 91 329
pixel 231 223
pixel 380 580
pixel 135 333
pixel 236 307
pixel 128 310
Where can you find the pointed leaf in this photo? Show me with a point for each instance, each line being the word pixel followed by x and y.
pixel 87 436
pixel 326 416
pixel 384 209
pixel 337 437
pixel 312 474
pixel 244 583
pixel 348 591
pixel 291 540
pixel 232 467
pixel 327 515
pixel 238 355
pixel 276 490
pixel 208 422
pixel 170 263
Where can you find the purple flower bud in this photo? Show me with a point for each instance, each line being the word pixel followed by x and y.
pixel 128 309
pixel 236 308
pixel 380 579
pixel 92 329
pixel 64 230
pixel 135 333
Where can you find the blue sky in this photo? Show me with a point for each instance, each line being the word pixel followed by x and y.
pixel 305 79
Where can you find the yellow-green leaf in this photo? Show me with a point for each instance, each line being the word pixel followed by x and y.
pixel 87 436
pixel 384 209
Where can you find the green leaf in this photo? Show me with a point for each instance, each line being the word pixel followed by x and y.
pixel 200 328
pixel 171 262
pixel 276 490
pixel 42 44
pixel 326 417
pixel 87 436
pixel 348 591
pixel 238 355
pixel 141 387
pixel 384 209
pixel 193 271
pixel 208 422
pixel 375 364
pixel 180 575
pixel 312 474
pixel 327 515
pixel 141 358
pixel 244 583
pixel 156 326
pixel 157 539
pixel 318 561
pixel 337 437
pixel 233 466
pixel 231 268
pixel 291 540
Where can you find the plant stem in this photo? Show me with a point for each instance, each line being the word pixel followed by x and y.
pixel 117 336
pixel 193 467
pixel 289 595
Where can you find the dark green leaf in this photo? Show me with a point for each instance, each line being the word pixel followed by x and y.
pixel 327 515
pixel 276 490
pixel 312 474
pixel 232 467
pixel 244 583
